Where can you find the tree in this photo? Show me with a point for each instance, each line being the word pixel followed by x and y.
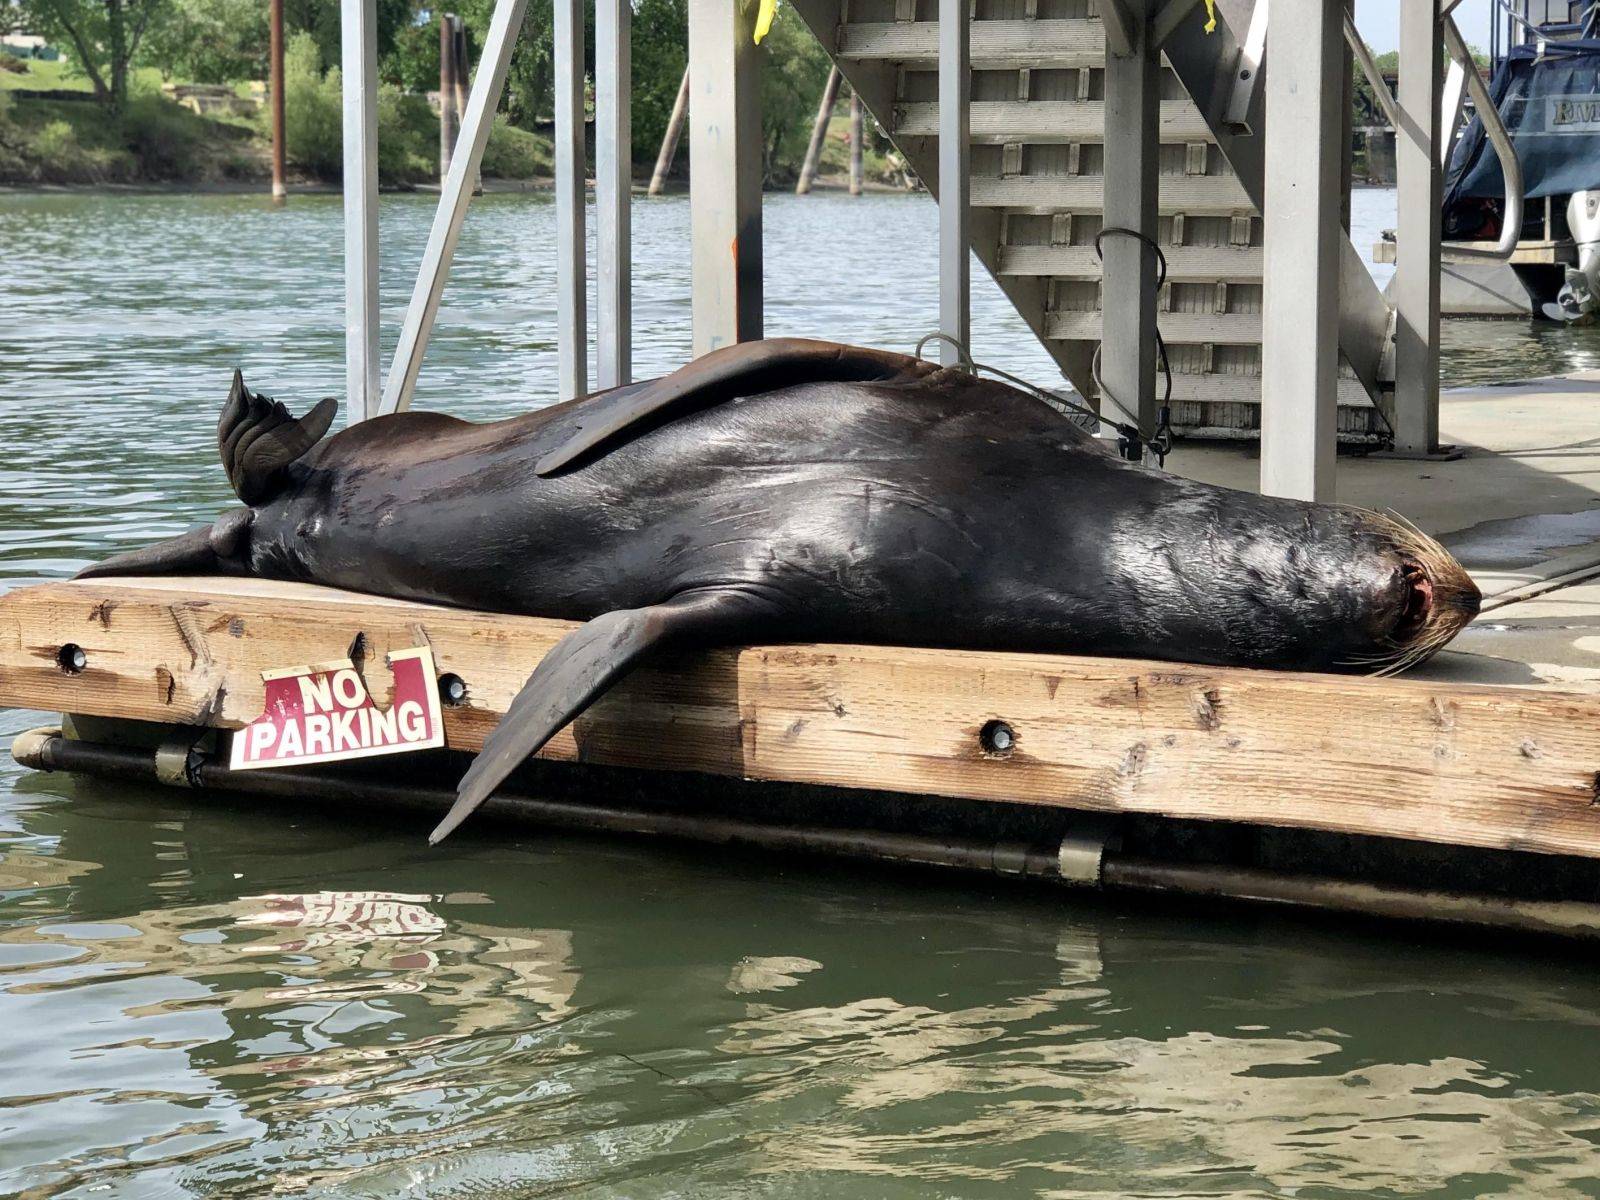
pixel 210 41
pixel 413 63
pixel 104 36
pixel 660 53
pixel 794 69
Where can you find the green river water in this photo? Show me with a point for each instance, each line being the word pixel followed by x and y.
pixel 202 997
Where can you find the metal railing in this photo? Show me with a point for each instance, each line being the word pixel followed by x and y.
pixel 614 161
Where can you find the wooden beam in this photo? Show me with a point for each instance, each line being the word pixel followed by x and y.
pixel 455 195
pixel 1497 767
pixel 1211 195
pixel 1419 186
pixel 1129 282
pixel 1303 240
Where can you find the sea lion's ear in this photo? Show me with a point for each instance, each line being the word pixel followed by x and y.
pixel 580 669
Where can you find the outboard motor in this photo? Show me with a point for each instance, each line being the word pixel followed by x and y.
pixel 1575 302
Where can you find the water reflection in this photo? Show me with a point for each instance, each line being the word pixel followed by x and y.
pixel 325 1004
pixel 233 1000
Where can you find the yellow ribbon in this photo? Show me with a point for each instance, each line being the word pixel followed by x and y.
pixel 1211 17
pixel 769 9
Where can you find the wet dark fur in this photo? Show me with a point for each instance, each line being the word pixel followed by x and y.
pixel 941 511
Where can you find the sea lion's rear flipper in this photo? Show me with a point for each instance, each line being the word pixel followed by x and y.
pixel 258 437
pixel 746 369
pixel 215 549
pixel 578 671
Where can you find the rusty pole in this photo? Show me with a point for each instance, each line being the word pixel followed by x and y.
pixel 819 133
pixel 857 149
pixel 447 92
pixel 669 140
pixel 275 85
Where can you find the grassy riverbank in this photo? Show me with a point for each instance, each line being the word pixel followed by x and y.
pixel 53 131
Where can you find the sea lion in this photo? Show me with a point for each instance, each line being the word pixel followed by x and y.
pixel 797 490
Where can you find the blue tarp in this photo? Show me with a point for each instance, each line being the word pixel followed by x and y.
pixel 1551 106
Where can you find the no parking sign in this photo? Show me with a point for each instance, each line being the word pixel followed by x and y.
pixel 324 713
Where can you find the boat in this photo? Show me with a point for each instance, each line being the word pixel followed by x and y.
pixel 1545 85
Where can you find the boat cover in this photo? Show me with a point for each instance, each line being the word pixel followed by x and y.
pixel 1550 104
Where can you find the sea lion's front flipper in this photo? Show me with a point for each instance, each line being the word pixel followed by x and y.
pixel 579 670
pixel 746 369
pixel 258 437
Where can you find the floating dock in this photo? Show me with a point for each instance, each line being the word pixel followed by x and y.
pixel 1468 792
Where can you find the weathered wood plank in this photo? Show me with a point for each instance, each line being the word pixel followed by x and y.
pixel 1469 765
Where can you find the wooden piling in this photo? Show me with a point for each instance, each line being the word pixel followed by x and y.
pixel 819 133
pixel 857 150
pixel 275 86
pixel 669 140
pixel 447 93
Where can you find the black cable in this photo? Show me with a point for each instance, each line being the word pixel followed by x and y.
pixel 1160 439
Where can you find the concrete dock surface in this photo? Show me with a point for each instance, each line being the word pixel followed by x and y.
pixel 1520 508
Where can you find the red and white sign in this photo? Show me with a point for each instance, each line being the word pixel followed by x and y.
pixel 324 714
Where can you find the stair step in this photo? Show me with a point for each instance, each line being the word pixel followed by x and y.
pixel 995 44
pixel 1202 195
pixel 1215 389
pixel 1046 122
pixel 1232 329
pixel 1184 263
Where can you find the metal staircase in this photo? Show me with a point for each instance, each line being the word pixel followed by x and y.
pixel 1037 107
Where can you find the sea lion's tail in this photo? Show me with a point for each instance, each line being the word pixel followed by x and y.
pixel 258 437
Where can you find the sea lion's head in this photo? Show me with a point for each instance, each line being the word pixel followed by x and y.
pixel 1415 595
pixel 1216 575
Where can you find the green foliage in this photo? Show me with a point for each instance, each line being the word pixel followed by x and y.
pixel 794 70
pixel 102 35
pixel 210 41
pixel 58 142
pixel 13 64
pixel 313 124
pixel 660 53
pixel 313 112
pixel 320 18
pixel 408 136
pixel 413 61
pixel 514 153
pixel 163 137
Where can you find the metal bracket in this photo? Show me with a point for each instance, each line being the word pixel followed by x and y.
pixel 178 760
pixel 31 748
pixel 1081 855
pixel 1247 70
